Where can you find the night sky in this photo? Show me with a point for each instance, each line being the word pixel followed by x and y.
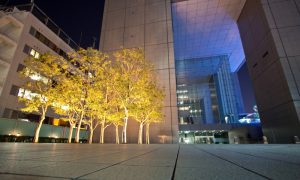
pixel 73 16
pixel 78 16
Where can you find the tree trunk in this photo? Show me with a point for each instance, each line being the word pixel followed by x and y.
pixel 78 128
pixel 140 139
pixel 38 128
pixel 117 134
pixel 147 133
pixel 102 130
pixel 124 132
pixel 91 135
pixel 70 133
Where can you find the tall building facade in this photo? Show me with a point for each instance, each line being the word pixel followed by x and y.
pixel 145 24
pixel 270 34
pixel 182 34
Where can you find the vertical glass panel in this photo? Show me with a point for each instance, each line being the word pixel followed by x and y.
pixel 205 91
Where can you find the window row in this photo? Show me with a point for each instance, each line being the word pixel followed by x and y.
pixel 20 92
pixel 47 42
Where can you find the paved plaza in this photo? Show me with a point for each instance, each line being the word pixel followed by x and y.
pixel 83 161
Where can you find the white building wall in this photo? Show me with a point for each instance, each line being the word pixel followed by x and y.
pixel 28 20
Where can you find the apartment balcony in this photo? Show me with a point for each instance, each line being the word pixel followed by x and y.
pixel 7 48
pixel 6 19
pixel 7 41
pixel 4 68
pixel 10 26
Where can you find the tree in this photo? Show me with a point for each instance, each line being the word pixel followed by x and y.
pixel 93 123
pixel 116 119
pixel 155 114
pixel 94 112
pixel 99 91
pixel 105 106
pixel 130 67
pixel 155 117
pixel 41 75
pixel 66 102
pixel 148 106
pixel 89 64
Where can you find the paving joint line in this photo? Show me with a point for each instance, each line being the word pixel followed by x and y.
pixel 115 164
pixel 175 166
pixel 236 164
pixel 66 161
pixel 20 174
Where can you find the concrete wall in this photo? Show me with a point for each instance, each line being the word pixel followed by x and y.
pixel 145 24
pixel 270 33
pixel 14 127
pixel 247 134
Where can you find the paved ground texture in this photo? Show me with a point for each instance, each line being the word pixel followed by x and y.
pixel 82 161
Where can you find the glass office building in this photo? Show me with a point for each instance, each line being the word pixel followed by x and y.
pixel 205 91
pixel 197 46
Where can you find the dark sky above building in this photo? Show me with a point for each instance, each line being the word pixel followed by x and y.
pixel 75 17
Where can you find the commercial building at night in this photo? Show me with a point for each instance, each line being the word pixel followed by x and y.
pixel 197 46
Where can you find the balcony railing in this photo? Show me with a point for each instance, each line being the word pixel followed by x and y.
pixel 39 14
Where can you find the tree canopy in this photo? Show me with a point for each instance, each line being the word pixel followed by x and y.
pixel 94 89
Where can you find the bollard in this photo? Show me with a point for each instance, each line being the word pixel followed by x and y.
pixel 265 140
pixel 296 140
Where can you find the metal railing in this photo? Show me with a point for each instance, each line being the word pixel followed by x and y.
pixel 39 14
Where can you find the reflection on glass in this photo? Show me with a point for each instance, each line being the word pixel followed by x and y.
pixel 205 91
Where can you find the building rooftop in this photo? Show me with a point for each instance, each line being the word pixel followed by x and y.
pixel 39 14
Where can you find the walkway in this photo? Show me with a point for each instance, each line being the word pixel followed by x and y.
pixel 83 161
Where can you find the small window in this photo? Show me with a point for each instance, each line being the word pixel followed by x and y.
pixel 30 51
pixel 14 90
pixel 34 54
pixel 32 31
pixel 21 67
pixel 26 49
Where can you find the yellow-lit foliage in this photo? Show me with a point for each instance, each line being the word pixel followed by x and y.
pixel 68 101
pixel 148 107
pixel 42 92
pixel 92 89
pixel 131 69
pixel 90 65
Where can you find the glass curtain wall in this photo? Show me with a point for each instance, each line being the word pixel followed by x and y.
pixel 205 91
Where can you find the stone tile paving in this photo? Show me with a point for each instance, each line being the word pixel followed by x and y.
pixel 83 161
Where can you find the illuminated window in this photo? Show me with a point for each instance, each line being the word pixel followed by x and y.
pixel 30 51
pixel 34 54
pixel 26 94
pixel 185 108
pixel 36 76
